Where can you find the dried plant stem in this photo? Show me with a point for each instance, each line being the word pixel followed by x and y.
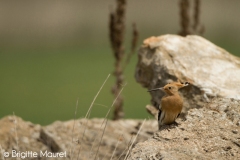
pixel 186 29
pixel 129 143
pixel 116 147
pixel 117 27
pixel 196 14
pixel 15 129
pixel 198 29
pixel 135 35
pixel 75 114
pixel 90 108
pixel 101 105
pixel 115 100
pixel 129 150
pixel 105 118
pixel 88 114
pixel 184 16
pixel 101 139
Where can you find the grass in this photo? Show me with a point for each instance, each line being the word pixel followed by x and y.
pixel 73 146
pixel 43 85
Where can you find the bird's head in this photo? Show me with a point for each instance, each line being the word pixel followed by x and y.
pixel 171 88
pixel 180 84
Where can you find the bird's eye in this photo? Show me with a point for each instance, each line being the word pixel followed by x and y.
pixel 169 87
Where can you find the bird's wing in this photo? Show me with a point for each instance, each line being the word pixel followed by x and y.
pixel 159 113
pixel 178 115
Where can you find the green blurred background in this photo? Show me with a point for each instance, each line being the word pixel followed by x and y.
pixel 54 52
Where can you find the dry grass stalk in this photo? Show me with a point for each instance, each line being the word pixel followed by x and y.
pixel 186 29
pixel 135 36
pixel 75 114
pixel 88 114
pixel 197 28
pixel 15 130
pixel 115 100
pixel 184 15
pixel 101 139
pixel 119 139
pixel 130 148
pixel 196 14
pixel 117 28
pixel 105 118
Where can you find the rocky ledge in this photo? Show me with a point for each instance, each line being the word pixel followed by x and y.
pixel 211 132
pixel 82 138
pixel 210 124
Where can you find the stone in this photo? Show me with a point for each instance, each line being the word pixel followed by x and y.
pixel 209 132
pixel 19 135
pixel 211 70
pixel 206 133
pixel 210 127
pixel 60 137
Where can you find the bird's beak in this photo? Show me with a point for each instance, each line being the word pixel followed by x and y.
pixel 155 89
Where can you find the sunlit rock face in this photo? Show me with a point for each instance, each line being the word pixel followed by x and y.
pixel 211 70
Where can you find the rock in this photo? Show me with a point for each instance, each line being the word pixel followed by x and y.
pixel 120 132
pixel 210 129
pixel 19 135
pixel 212 71
pixel 210 132
pixel 60 137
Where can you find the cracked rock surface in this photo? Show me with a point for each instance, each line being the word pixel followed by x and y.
pixel 211 132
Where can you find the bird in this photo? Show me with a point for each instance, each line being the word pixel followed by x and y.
pixel 171 104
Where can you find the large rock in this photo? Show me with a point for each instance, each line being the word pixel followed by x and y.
pixel 211 132
pixel 211 127
pixel 60 137
pixel 212 71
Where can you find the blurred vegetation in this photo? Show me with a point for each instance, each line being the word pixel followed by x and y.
pixel 52 53
pixel 43 85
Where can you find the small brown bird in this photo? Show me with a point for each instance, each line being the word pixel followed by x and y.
pixel 171 104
